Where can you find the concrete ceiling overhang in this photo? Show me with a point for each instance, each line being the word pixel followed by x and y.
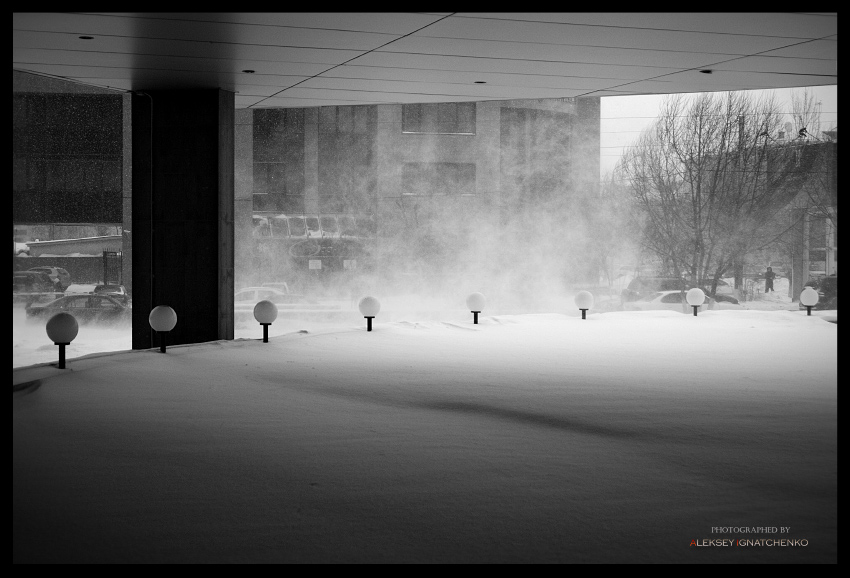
pixel 315 59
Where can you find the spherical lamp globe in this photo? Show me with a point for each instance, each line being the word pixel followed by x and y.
pixel 162 318
pixel 809 297
pixel 265 311
pixel 369 306
pixel 475 302
pixel 62 328
pixel 584 300
pixel 695 297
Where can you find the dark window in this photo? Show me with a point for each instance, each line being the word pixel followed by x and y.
pixel 329 225
pixel 439 118
pixel 279 227
pixel 438 179
pixel 348 119
pixel 297 227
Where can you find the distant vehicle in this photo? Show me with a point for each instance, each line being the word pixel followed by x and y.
pixel 80 288
pixel 725 292
pixel 118 291
pixel 250 296
pixel 86 308
pixel 281 286
pixel 664 300
pixel 725 298
pixel 60 277
pixel 642 286
pixel 33 287
pixel 254 295
pixel 827 288
pixel 31 282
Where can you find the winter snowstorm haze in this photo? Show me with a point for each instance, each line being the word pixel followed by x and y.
pixel 520 239
pixel 532 437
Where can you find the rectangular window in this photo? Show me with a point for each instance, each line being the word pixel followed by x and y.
pixel 438 179
pixel 439 118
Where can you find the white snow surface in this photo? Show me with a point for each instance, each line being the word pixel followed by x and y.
pixel 522 439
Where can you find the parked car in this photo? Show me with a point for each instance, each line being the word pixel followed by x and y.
pixel 827 288
pixel 665 300
pixel 118 291
pixel 642 286
pixel 253 295
pixel 31 282
pixel 86 308
pixel 32 287
pixel 60 277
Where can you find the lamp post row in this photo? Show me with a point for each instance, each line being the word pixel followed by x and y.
pixel 62 328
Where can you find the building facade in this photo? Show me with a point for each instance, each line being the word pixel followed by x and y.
pixel 393 192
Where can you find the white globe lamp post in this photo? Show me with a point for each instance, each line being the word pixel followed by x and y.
pixel 369 307
pixel 809 298
pixel 162 320
pixel 62 328
pixel 695 298
pixel 584 301
pixel 475 302
pixel 265 312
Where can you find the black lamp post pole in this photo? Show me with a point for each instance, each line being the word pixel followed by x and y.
pixel 62 355
pixel 265 332
pixel 369 323
pixel 475 317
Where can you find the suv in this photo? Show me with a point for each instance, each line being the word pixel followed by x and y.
pixel 31 282
pixel 60 277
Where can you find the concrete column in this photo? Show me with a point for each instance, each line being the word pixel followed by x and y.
pixel 311 160
pixel 183 213
pixel 244 196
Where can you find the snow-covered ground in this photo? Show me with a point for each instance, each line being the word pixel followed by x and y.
pixel 624 437
pixel 31 346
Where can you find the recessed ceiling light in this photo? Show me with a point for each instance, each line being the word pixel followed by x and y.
pixel 706 71
pixel 480 82
pixel 248 71
pixel 86 37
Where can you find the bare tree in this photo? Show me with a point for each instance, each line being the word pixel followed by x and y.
pixel 711 180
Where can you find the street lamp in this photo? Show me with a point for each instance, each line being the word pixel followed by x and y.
pixel 265 312
pixel 475 302
pixel 369 307
pixel 695 297
pixel 162 320
pixel 62 328
pixel 809 298
pixel 584 301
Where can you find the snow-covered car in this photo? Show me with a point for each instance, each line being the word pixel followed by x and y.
pixel 118 291
pixel 86 308
pixel 60 277
pixel 664 300
pixel 253 295
pixel 640 287
pixel 33 287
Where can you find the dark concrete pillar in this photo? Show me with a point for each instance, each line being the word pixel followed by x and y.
pixel 182 207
